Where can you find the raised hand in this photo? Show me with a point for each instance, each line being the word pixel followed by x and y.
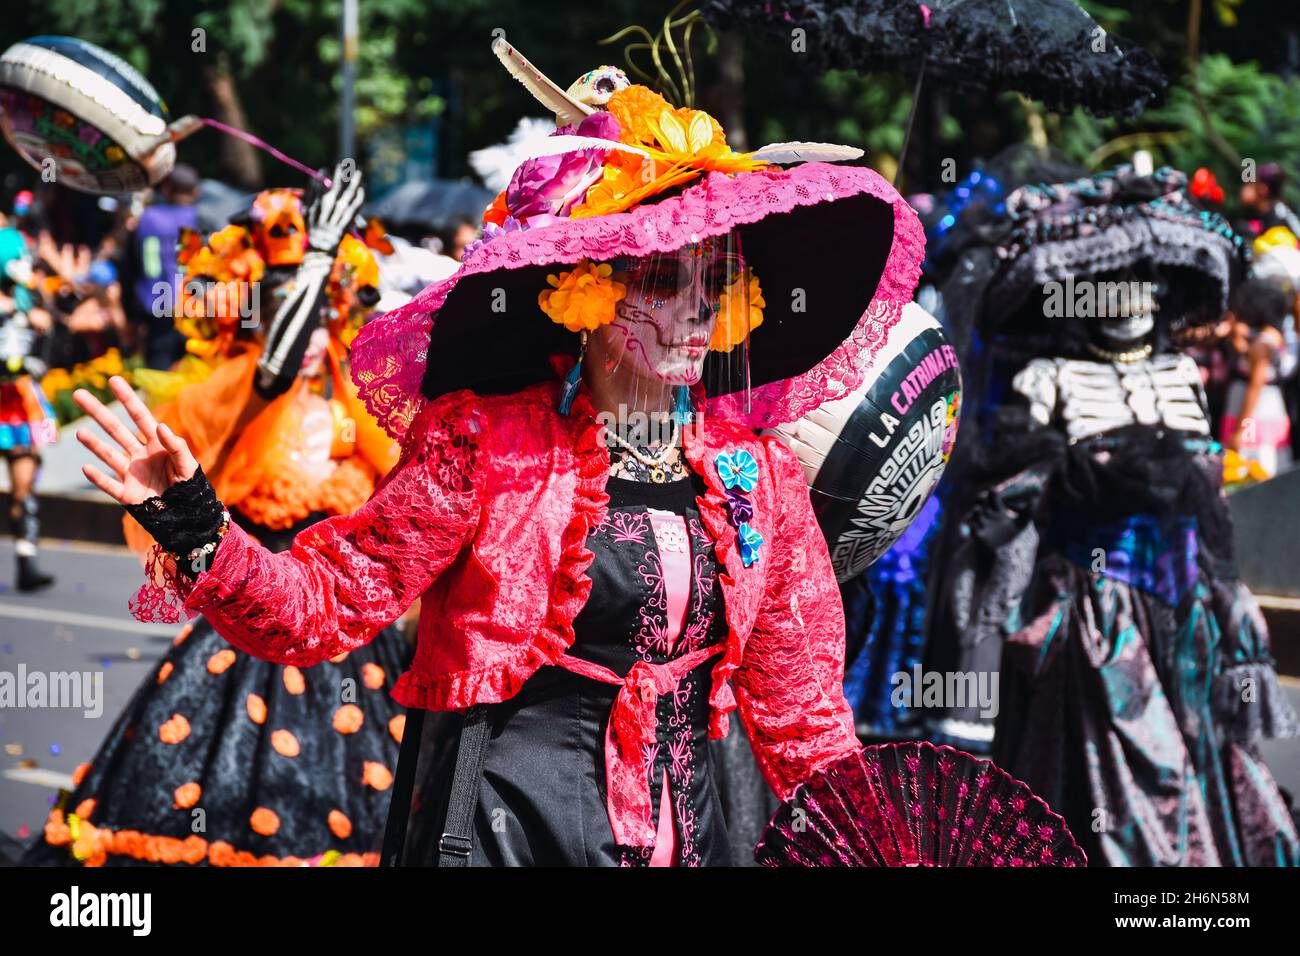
pixel 334 212
pixel 146 464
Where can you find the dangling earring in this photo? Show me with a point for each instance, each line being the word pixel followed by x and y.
pixel 682 406
pixel 570 387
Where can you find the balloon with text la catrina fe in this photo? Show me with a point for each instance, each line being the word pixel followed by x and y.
pixel 873 457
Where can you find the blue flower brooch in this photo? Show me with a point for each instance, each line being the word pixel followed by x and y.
pixel 739 473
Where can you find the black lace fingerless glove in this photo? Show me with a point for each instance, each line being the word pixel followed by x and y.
pixel 185 517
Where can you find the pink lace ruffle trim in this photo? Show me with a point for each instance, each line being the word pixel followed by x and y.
pixel 389 354
pixel 161 599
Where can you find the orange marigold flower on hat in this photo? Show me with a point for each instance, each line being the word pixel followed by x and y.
pixel 740 312
pixel 175 730
pixel 165 671
pixel 635 108
pixel 264 821
pixel 583 298
pixel 397 727
pixel 376 775
pixel 285 743
pixel 79 774
pixel 348 719
pixel 219 662
pixel 294 682
pixel 256 709
pixel 340 825
pixel 187 795
pixel 373 675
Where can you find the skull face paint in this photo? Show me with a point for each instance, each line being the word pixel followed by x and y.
pixel 665 322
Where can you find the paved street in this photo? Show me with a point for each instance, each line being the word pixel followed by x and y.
pixel 81 624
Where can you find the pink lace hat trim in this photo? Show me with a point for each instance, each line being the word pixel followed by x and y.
pixel 389 354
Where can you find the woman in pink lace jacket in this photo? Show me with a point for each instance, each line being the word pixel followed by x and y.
pixel 611 560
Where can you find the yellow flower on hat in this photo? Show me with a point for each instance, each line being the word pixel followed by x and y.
pixel 583 298
pixel 740 311
pixel 684 132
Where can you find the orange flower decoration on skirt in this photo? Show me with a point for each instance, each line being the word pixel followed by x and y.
pixel 376 775
pixel 175 730
pixel 373 675
pixel 264 821
pixel 285 743
pixel 220 662
pixel 187 795
pixel 294 682
pixel 340 825
pixel 348 719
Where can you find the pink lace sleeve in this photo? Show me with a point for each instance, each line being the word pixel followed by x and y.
pixel 347 577
pixel 788 685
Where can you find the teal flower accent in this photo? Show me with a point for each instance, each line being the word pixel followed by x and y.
pixel 738 469
pixel 750 542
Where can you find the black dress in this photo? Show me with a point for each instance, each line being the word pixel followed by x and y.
pixel 542 795
pixel 285 763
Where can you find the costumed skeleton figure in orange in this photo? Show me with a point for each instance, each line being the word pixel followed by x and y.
pixel 290 767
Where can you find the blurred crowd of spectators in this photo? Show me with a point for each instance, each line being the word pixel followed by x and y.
pixel 1251 366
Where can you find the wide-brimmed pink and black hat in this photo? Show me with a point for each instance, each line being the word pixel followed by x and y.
pixel 626 176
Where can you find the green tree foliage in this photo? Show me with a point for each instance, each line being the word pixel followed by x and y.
pixel 429 61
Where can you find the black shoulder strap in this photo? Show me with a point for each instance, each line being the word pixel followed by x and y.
pixel 457 840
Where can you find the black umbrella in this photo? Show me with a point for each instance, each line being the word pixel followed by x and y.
pixel 1050 50
pixel 432 204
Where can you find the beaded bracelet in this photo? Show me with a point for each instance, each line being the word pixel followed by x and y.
pixel 200 554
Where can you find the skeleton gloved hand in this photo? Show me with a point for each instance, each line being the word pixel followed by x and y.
pixel 334 211
pixel 329 216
